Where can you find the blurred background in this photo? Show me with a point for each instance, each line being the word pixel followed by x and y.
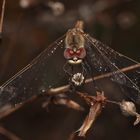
pixel 30 26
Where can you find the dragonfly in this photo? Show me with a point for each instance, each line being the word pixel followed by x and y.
pixel 72 59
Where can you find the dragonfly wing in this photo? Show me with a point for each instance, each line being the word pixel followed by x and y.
pixel 103 60
pixel 43 72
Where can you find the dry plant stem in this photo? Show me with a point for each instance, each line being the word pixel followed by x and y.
pixel 96 104
pixel 8 134
pixel 6 112
pixel 65 88
pixel 69 103
pixel 95 110
pixel 11 46
pixel 137 121
pixel 113 102
pixel 62 101
pixel 72 136
pixel 2 16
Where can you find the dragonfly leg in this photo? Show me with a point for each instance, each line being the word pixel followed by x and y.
pixel 69 74
pixel 66 70
pixel 88 68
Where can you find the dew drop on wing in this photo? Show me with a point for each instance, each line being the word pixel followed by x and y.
pixel 102 60
pixel 44 71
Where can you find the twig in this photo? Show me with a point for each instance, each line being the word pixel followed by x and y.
pixel 8 134
pixel 10 109
pixel 96 104
pixel 64 89
pixel 58 90
pixel 2 17
pixel 11 46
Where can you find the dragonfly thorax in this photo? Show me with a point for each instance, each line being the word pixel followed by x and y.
pixel 74 37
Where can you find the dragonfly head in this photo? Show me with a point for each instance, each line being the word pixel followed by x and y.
pixel 74 55
pixel 74 46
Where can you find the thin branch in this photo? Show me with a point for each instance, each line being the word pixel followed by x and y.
pixel 8 134
pixel 2 16
pixel 7 110
pixel 64 89
pixel 11 46
pixel 58 90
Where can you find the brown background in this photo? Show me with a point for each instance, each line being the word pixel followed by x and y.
pixel 29 31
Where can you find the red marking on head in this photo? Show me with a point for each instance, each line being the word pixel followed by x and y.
pixel 69 53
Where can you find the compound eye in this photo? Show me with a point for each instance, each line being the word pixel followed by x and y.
pixel 71 52
pixel 81 53
pixel 68 53
pixel 78 52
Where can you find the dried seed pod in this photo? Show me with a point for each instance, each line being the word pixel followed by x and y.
pixel 129 109
pixel 78 79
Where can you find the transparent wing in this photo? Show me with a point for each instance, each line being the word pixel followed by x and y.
pixel 102 59
pixel 43 72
